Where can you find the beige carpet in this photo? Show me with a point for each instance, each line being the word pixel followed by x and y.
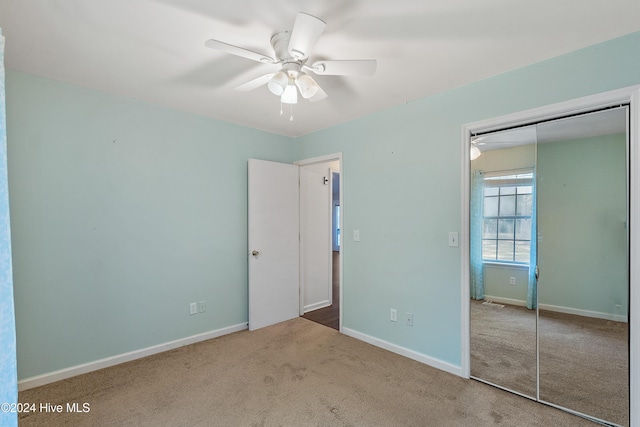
pixel 297 373
pixel 583 361
pixel 503 346
pixel 584 365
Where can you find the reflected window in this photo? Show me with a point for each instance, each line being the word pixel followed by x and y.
pixel 506 231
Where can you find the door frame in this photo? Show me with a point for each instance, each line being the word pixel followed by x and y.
pixel 629 95
pixel 313 161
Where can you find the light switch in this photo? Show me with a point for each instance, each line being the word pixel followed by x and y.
pixel 356 235
pixel 409 319
pixel 453 239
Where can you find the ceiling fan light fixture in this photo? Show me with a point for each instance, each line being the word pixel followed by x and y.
pixel 290 95
pixel 278 83
pixel 308 87
pixel 474 152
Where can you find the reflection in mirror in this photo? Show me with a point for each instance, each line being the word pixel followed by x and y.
pixel 502 328
pixel 555 201
pixel 583 259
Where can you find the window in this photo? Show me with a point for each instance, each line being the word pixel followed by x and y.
pixel 506 231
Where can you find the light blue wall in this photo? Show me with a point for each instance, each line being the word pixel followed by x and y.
pixel 8 377
pixel 582 214
pixel 122 214
pixel 401 180
pixel 497 285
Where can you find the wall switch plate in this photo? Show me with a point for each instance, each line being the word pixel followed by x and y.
pixel 409 319
pixel 512 281
pixel 393 315
pixel 202 306
pixel 193 308
pixel 356 235
pixel 453 239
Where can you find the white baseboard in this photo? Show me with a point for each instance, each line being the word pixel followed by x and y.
pixel 62 374
pixel 560 309
pixel 422 358
pixel 585 313
pixel 317 305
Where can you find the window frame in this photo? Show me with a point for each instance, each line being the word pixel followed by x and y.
pixel 499 179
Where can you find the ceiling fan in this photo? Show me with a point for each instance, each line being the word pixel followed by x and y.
pixel 292 51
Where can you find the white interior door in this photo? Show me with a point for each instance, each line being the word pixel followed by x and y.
pixel 273 232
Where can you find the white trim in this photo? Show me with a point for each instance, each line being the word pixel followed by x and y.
pixel 342 240
pixel 403 351
pixel 560 309
pixel 465 293
pixel 630 95
pixel 63 374
pixel 634 258
pixel 317 306
pixel 320 159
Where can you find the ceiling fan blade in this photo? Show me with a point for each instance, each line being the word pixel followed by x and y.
pixel 255 83
pixel 239 51
pixel 304 35
pixel 319 96
pixel 357 67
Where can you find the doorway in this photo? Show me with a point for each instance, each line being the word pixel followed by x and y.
pixel 290 256
pixel 320 219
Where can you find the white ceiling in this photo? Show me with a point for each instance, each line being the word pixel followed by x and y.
pixel 153 50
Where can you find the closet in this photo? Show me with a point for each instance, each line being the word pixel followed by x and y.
pixel 549 262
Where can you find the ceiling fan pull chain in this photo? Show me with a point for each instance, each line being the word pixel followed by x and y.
pixel 291 118
pixel 281 112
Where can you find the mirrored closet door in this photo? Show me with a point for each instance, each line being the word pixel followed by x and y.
pixel 549 263
pixel 503 329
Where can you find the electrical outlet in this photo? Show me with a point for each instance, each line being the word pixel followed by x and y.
pixel 356 235
pixel 409 319
pixel 512 281
pixel 202 306
pixel 193 308
pixel 393 315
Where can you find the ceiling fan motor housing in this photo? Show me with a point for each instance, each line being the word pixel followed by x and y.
pixel 280 44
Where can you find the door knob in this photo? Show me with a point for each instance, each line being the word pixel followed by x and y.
pixel 255 253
